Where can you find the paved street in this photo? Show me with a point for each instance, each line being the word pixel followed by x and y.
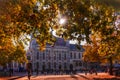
pixel 55 77
pixel 79 76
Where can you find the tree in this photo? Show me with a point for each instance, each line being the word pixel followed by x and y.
pixel 18 18
pixel 105 45
pixel 23 17
pixel 91 51
pixel 10 52
pixel 107 50
pixel 19 55
pixel 6 50
pixel 109 47
pixel 40 17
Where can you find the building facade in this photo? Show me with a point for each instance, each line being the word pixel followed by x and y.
pixel 61 56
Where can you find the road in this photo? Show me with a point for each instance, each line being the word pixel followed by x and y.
pixel 79 76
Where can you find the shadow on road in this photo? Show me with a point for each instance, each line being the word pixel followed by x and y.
pixel 35 76
pixel 84 77
pixel 73 76
pixel 16 78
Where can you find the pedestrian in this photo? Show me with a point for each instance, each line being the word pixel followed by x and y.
pixel 29 70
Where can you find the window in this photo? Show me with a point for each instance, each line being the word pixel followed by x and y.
pixel 49 51
pixel 80 63
pixel 37 65
pixel 70 55
pixel 79 55
pixel 74 55
pixel 43 66
pixel 49 65
pixel 65 65
pixel 55 56
pixel 28 57
pixel 43 56
pixel 55 65
pixel 77 64
pixel 59 56
pixel 46 50
pixel 49 57
pixel 37 55
pixel 65 56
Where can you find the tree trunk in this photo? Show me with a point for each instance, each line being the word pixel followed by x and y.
pixel 110 66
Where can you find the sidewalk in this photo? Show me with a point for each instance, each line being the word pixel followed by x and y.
pixel 15 76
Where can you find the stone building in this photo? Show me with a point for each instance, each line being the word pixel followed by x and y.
pixel 61 56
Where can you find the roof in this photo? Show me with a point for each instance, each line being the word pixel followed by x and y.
pixel 60 42
pixel 73 47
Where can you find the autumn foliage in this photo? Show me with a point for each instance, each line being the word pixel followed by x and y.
pixel 40 17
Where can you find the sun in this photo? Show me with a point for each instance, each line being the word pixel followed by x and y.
pixel 62 21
